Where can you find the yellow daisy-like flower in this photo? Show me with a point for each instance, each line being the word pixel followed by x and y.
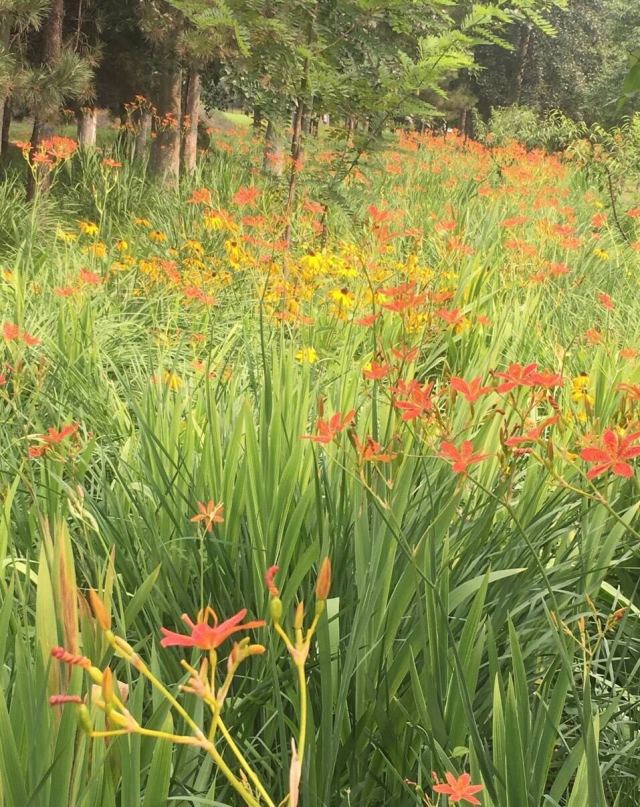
pixel 98 250
pixel 138 222
pixel 601 253
pixel 122 245
pixel 307 355
pixel 343 298
pixel 580 389
pixel 157 236
pixel 88 227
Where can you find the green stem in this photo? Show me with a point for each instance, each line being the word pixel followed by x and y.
pixel 302 689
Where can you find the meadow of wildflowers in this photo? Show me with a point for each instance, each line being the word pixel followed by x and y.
pixel 389 461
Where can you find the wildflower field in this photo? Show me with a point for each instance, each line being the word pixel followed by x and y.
pixel 379 451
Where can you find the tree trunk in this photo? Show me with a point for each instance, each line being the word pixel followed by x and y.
pixel 296 156
pixel 87 127
pixel 273 158
pixel 192 113
pixel 51 52
pixel 350 126
pixel 143 133
pixel 463 123
pixel 523 53
pixel 6 125
pixel 165 154
pixel 257 118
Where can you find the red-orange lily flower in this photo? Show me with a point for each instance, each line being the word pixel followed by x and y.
pixel 461 458
pixel 459 789
pixel 471 390
pixel 208 636
pixel 209 513
pixel 613 454
pixel 328 429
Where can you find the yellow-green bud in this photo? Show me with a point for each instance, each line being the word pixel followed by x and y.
pixel 84 718
pixel 275 607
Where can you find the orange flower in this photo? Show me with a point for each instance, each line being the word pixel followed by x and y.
pixel 210 514
pixel 246 196
pixel 208 636
pixel 471 390
pixel 459 789
pixel 328 429
pixel 200 196
pixel 371 451
pixel 374 371
pixel 517 376
pixel 461 458
pixel 612 454
pixel 606 301
pixel 418 403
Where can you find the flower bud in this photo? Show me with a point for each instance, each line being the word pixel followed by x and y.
pixel 275 607
pixel 84 718
pixel 269 576
pixel 99 610
pixel 60 700
pixel 323 586
pixel 299 617
pixel 107 685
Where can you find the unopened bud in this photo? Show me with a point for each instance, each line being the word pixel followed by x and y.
pixel 84 718
pixel 275 607
pixel 107 686
pixel 99 610
pixel 320 606
pixel 269 576
pixel 299 617
pixel 60 700
pixel 323 586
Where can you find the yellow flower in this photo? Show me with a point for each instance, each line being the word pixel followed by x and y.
pixel 88 227
pixel 172 380
pixel 343 298
pixel 98 250
pixel 194 247
pixel 216 220
pixel 157 236
pixel 601 253
pixel 142 223
pixel 580 387
pixel 122 245
pixel 307 355
pixel 235 253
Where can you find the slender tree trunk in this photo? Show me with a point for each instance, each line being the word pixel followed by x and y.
pixel 192 113
pixel 257 118
pixel 273 158
pixel 463 122
pixel 6 125
pixel 165 154
pixel 296 156
pixel 350 126
pixel 51 52
pixel 87 127
pixel 523 53
pixel 143 133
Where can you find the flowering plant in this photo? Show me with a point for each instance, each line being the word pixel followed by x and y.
pixel 210 682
